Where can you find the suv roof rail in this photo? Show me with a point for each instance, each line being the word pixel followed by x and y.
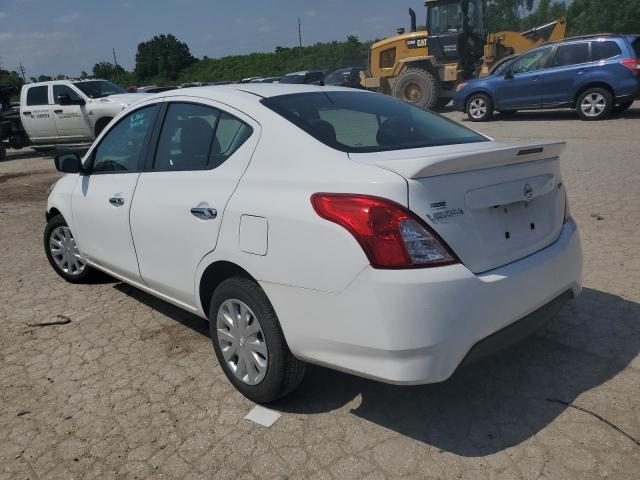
pixel 585 37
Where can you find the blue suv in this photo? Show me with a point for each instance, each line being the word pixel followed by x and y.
pixel 595 75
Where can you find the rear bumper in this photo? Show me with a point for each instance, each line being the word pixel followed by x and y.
pixel 417 326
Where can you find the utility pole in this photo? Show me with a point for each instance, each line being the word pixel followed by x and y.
pixel 115 62
pixel 300 39
pixel 22 73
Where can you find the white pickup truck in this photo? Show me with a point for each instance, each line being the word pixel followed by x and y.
pixel 62 112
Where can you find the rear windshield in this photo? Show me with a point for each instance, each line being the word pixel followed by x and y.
pixel 360 122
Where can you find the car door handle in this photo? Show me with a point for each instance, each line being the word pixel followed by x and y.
pixel 57 111
pixel 26 113
pixel 116 201
pixel 204 213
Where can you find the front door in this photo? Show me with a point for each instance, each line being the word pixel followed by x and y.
pixel 71 121
pixel 102 199
pixel 522 85
pixel 37 116
pixel 202 151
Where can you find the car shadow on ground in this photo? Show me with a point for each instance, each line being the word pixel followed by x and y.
pixel 490 406
pixel 558 115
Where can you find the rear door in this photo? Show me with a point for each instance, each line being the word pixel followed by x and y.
pixel 523 87
pixel 72 121
pixel 569 68
pixel 202 151
pixel 37 115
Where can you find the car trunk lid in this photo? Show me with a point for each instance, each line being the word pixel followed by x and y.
pixel 492 203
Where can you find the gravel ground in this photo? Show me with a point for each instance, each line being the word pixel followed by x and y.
pixel 130 388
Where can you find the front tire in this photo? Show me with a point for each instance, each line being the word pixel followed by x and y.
pixel 595 104
pixel 62 252
pixel 479 108
pixel 249 343
pixel 418 87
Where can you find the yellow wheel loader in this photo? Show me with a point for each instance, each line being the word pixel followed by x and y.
pixel 424 67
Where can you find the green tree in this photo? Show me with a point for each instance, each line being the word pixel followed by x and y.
pixel 597 16
pixel 506 14
pixel 547 11
pixel 12 79
pixel 108 71
pixel 44 78
pixel 163 57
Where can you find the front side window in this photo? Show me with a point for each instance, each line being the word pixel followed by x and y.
pixel 445 18
pixel 197 137
pixel 573 54
pixel 64 89
pixel 604 50
pixel 121 147
pixel 99 88
pixel 367 122
pixel 37 96
pixel 531 62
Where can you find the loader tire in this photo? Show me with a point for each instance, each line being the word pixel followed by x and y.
pixel 419 87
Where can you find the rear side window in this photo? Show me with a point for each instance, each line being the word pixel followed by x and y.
pixel 604 50
pixel 38 95
pixel 573 54
pixel 197 137
pixel 367 122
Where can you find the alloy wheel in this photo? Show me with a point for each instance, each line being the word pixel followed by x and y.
pixel 477 108
pixel 64 251
pixel 242 341
pixel 593 105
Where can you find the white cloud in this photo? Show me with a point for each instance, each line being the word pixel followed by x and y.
pixel 3 15
pixel 252 21
pixel 68 18
pixel 311 13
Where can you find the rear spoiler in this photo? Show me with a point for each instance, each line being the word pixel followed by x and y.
pixel 436 161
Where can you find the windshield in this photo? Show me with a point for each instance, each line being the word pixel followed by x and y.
pixel 99 88
pixel 447 17
pixel 292 79
pixel 368 122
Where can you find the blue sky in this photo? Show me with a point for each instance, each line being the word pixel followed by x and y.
pixel 67 36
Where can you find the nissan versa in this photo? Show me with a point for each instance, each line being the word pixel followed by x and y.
pixel 323 225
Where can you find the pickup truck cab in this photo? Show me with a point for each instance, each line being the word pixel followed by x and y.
pixel 69 111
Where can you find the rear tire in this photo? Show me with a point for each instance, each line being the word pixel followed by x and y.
pixel 62 253
pixel 479 108
pixel 622 107
pixel 595 104
pixel 418 87
pixel 244 327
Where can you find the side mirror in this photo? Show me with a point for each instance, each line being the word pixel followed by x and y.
pixel 65 99
pixel 68 163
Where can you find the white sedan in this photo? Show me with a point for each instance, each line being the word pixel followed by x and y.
pixel 323 225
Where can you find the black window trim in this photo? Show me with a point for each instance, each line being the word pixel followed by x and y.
pixel 154 140
pixel 145 147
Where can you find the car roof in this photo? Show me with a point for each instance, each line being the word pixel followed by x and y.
pixel 264 90
pixel 586 37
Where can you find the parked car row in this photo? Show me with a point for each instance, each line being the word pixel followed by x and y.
pixel 595 75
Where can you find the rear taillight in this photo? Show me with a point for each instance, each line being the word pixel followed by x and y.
pixel 632 64
pixel 390 235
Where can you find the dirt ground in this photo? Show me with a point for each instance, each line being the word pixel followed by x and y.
pixel 130 387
